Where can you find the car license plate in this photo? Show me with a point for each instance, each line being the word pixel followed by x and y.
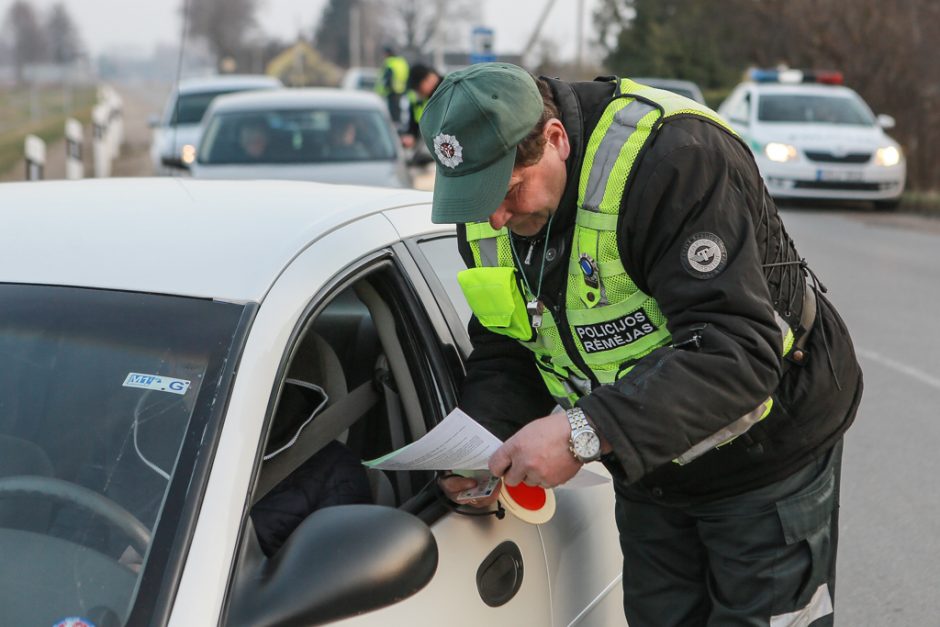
pixel 838 175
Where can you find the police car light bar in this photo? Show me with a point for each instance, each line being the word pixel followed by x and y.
pixel 826 77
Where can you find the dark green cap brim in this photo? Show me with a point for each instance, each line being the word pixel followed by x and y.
pixel 471 197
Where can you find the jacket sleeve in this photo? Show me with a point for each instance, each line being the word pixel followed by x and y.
pixel 679 395
pixel 503 389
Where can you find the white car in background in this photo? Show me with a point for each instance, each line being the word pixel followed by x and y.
pixel 176 132
pixel 816 140
pixel 149 366
pixel 363 78
pixel 319 134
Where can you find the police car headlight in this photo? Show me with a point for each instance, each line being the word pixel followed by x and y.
pixel 887 156
pixel 781 153
pixel 188 154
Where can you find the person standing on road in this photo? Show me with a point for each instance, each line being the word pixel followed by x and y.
pixel 422 81
pixel 626 262
pixel 393 77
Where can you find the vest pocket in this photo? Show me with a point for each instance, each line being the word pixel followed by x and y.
pixel 494 297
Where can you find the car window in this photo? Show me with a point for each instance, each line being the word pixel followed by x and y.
pixel 297 136
pixel 360 382
pixel 98 393
pixel 741 110
pixel 813 109
pixel 446 262
pixel 189 108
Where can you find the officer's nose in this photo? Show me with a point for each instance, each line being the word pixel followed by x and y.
pixel 500 217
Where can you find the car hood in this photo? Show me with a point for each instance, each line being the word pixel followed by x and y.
pixel 377 173
pixel 829 136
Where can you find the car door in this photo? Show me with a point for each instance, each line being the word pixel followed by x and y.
pixel 581 542
pixel 367 325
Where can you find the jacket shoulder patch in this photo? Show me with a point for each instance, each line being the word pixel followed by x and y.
pixel 704 255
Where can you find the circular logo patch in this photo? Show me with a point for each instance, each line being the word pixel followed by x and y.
pixel 448 150
pixel 704 255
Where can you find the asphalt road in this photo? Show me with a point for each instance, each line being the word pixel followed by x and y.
pixel 883 273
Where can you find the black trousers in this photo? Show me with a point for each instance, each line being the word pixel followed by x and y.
pixel 765 558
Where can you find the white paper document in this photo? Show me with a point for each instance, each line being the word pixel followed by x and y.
pixel 460 443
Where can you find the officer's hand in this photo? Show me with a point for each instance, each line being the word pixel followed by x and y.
pixel 452 485
pixel 407 141
pixel 538 454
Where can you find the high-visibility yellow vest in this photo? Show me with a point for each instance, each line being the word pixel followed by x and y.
pixel 608 320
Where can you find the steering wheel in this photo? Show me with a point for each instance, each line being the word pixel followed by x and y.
pixel 68 493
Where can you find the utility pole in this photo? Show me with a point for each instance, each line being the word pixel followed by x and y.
pixel 538 29
pixel 579 39
pixel 355 47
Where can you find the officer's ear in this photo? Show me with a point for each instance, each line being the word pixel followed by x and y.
pixel 557 137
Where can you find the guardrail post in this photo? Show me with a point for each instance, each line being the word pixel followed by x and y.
pixel 35 150
pixel 74 140
pixel 101 148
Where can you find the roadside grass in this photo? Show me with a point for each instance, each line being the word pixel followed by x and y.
pixel 16 121
pixel 927 203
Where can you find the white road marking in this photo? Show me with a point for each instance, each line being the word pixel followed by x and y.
pixel 910 371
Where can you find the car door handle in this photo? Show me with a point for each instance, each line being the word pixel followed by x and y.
pixel 499 576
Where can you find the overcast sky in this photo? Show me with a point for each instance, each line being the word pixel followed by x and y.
pixel 106 25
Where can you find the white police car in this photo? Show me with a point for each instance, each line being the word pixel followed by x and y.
pixel 161 340
pixel 812 137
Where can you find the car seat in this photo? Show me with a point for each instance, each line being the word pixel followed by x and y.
pixel 315 362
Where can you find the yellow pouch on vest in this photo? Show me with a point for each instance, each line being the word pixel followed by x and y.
pixel 494 297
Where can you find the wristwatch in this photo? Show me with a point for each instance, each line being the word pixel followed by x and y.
pixel 584 444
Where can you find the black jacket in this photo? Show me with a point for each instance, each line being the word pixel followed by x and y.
pixel 693 177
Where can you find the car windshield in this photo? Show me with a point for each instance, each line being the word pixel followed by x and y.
pixel 189 108
pixel 99 391
pixel 813 109
pixel 297 136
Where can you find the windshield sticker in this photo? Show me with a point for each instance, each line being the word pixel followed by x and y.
pixel 155 382
pixel 74 622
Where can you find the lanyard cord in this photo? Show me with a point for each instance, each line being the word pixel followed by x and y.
pixel 538 287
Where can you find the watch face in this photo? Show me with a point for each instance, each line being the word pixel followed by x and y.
pixel 586 444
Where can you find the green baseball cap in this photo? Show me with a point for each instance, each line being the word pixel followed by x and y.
pixel 472 125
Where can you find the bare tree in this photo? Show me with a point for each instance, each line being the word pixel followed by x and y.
pixel 416 23
pixel 65 43
pixel 28 41
pixel 223 24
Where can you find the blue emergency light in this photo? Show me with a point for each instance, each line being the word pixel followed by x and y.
pixel 792 76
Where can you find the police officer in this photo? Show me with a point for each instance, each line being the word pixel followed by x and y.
pixel 393 77
pixel 422 82
pixel 626 263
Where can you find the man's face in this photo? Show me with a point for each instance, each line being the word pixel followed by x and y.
pixel 535 190
pixel 254 141
pixel 428 83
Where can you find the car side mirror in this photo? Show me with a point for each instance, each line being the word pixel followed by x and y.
pixel 886 122
pixel 341 561
pixel 174 162
pixel 153 120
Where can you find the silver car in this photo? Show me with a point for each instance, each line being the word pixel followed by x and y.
pixel 323 135
pixel 176 132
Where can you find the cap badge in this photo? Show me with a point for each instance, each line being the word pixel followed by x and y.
pixel 448 150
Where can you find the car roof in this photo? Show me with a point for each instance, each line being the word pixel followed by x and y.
pixel 227 81
pixel 226 240
pixel 802 88
pixel 312 97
